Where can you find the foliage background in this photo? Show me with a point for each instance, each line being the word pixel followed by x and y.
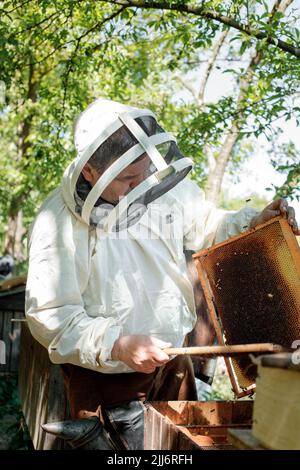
pixel 57 56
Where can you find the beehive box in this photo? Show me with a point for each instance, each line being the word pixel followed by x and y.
pixel 194 425
pixel 276 417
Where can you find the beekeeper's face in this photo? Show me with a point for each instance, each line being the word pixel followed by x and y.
pixel 127 179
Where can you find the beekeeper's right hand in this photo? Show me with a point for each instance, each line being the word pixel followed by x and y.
pixel 140 352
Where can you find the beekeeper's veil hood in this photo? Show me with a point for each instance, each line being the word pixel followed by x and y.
pixel 112 136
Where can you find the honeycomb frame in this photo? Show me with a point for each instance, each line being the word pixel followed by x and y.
pixel 251 283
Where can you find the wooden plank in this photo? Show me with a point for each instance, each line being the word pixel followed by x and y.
pixel 159 431
pixel 177 411
pixel 5 332
pixel 15 333
pixel 11 307
pixel 41 391
pixel 187 442
pixel 207 412
pixel 222 413
pixel 13 299
pixel 2 321
pixel 212 413
pixel 188 425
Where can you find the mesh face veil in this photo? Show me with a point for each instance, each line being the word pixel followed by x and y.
pixel 136 160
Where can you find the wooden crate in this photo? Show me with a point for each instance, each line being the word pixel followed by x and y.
pixel 41 392
pixel 188 425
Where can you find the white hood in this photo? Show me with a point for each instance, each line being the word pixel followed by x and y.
pixel 98 122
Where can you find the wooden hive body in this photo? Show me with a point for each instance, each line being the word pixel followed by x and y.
pixel 194 425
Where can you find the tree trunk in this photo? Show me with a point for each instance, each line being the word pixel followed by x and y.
pixel 13 238
pixel 15 229
pixel 217 172
pixel 215 176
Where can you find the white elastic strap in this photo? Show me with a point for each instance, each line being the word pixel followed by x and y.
pixel 115 168
pixel 144 140
pixel 67 177
pixel 139 190
pixel 135 113
pixel 88 152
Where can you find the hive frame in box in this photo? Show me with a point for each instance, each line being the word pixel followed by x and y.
pixel 291 244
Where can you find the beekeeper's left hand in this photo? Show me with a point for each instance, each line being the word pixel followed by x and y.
pixel 275 208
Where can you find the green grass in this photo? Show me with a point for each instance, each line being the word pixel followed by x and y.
pixel 221 386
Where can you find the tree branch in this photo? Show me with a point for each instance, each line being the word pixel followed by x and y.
pixel 187 86
pixel 35 25
pixel 215 51
pixel 16 7
pixel 210 15
pixel 79 38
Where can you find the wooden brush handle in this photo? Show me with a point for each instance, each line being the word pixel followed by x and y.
pixel 229 350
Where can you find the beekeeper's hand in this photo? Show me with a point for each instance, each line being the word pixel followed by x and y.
pixel 275 208
pixel 140 352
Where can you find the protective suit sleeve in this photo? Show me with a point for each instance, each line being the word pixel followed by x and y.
pixel 206 225
pixel 58 273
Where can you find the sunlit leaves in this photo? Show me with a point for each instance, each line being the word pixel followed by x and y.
pixel 57 56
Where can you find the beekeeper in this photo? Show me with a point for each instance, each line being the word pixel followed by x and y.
pixel 107 286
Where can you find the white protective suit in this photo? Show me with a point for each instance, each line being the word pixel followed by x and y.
pixel 87 287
